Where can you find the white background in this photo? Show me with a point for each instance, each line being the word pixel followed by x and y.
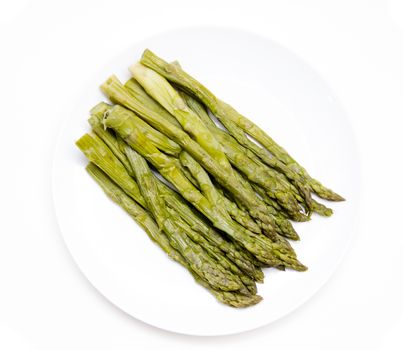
pixel 49 46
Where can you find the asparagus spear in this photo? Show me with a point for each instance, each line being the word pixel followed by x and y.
pixel 269 159
pixel 248 285
pixel 159 88
pixel 264 249
pixel 140 215
pixel 317 207
pixel 270 201
pixel 230 298
pixel 99 153
pixel 279 177
pixel 144 219
pixel 241 159
pixel 234 252
pixel 225 112
pixel 285 227
pixel 137 92
pixel 195 255
pixel 239 214
pixel 176 202
pixel 321 209
pixel 107 136
pixel 136 160
pixel 214 196
pixel 157 138
pixel 188 174
pixel 150 113
pixel 240 257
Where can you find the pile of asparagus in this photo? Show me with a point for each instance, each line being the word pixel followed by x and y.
pixel 214 200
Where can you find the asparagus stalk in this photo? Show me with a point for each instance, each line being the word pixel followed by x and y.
pixel 239 214
pixel 214 196
pixel 98 153
pixel 137 92
pixel 279 177
pixel 204 183
pixel 150 113
pixel 230 298
pixel 159 88
pixel 264 249
pixel 107 136
pixel 241 159
pixel 225 112
pixel 195 255
pixel 270 201
pixel 140 215
pixel 285 226
pixel 269 159
pixel 144 219
pixel 248 285
pixel 157 138
pixel 176 202
pixel 321 209
pixel 234 252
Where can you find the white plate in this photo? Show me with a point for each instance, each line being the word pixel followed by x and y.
pixel 282 94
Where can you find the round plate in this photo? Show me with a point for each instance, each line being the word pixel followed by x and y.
pixel 282 94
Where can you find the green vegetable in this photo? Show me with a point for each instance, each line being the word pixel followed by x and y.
pixel 248 285
pixel 144 219
pixel 233 252
pixel 254 170
pixel 195 255
pixel 176 202
pixel 226 114
pixel 238 157
pixel 264 249
pixel 98 153
pixel 256 208
pixel 218 198
pixel 107 136
pixel 214 196
pixel 158 87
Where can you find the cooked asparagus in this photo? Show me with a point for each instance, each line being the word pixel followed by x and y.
pixel 214 196
pixel 158 87
pixel 264 249
pixel 144 219
pixel 176 202
pixel 254 171
pixel 98 152
pixel 217 197
pixel 195 255
pixel 225 112
pixel 256 208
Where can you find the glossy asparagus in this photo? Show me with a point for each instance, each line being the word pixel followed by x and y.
pixel 98 153
pixel 176 202
pixel 256 208
pixel 144 219
pixel 226 113
pixel 214 196
pixel 252 168
pixel 159 88
pixel 265 250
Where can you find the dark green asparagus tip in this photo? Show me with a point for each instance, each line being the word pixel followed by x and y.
pixel 321 209
pixel 338 198
pixel 237 300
